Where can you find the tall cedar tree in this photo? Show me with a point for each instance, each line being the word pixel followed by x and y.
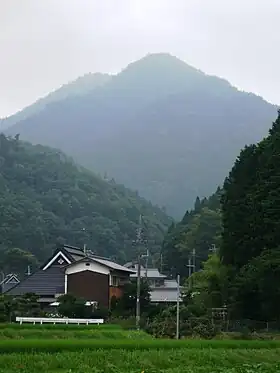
pixel 251 235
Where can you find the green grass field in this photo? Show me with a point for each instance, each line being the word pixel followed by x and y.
pixel 102 334
pixel 48 350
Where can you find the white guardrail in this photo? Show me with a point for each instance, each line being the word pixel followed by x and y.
pixel 53 320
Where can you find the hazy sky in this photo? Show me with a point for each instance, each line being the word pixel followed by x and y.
pixel 45 43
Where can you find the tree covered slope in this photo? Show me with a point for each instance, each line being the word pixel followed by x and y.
pixel 160 126
pixel 251 229
pixel 45 198
pixel 200 229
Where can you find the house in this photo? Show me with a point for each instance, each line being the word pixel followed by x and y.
pixel 8 282
pixel 162 289
pixel 73 270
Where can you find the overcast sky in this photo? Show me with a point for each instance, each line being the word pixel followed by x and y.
pixel 45 43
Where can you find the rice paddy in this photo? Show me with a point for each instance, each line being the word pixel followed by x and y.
pixel 57 349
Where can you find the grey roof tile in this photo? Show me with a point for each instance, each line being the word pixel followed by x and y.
pixel 163 295
pixel 112 265
pixel 48 282
pixel 151 273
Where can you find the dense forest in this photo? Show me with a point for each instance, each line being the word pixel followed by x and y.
pixel 160 127
pixel 200 229
pixel 46 199
pixel 251 220
pixel 244 273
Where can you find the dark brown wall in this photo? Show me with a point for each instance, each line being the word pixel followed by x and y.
pixel 116 292
pixel 91 286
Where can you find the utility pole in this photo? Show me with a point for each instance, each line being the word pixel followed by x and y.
pixel 194 256
pixel 139 242
pixel 161 263
pixel 190 266
pixel 138 293
pixel 178 308
pixel 28 271
pixel 3 281
pixel 146 265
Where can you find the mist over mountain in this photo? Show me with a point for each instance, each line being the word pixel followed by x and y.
pixel 81 86
pixel 160 127
pixel 46 198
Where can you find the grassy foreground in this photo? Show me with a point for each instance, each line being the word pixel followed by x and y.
pixel 148 361
pixel 43 334
pixel 69 345
pixel 104 349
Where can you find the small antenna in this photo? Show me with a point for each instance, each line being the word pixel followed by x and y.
pixel 85 249
pixel 213 248
pixel 28 271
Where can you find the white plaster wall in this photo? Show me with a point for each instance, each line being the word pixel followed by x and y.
pixel 81 266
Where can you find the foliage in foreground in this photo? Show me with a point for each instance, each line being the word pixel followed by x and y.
pixel 54 346
pixel 185 360
pixel 58 333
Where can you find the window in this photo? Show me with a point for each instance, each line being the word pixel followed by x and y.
pixel 115 281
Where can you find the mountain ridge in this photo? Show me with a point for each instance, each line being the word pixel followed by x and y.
pixel 80 86
pixel 159 126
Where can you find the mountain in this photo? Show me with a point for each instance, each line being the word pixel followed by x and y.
pixel 159 126
pixel 78 87
pixel 45 198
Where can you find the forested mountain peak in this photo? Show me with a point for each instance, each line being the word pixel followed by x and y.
pixel 160 127
pixel 46 198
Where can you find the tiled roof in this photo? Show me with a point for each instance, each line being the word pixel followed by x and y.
pixel 104 262
pixel 163 295
pixel 78 254
pixel 112 265
pixel 151 273
pixel 129 264
pixel 51 280
pixel 48 282
pixel 10 279
pixel 76 251
pixel 170 284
